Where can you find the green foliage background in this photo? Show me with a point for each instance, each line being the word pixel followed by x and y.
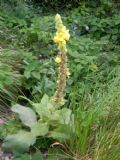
pixel 27 65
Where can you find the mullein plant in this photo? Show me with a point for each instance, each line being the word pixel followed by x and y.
pixel 50 120
pixel 62 35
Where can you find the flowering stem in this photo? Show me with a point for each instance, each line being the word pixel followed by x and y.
pixel 62 35
pixel 58 96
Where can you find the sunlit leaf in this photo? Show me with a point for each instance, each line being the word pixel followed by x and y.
pixel 19 142
pixel 39 129
pixel 27 115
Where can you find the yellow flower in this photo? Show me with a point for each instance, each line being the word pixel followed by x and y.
pixel 58 59
pixel 62 44
pixel 66 33
pixel 59 37
pixel 68 72
pixel 62 36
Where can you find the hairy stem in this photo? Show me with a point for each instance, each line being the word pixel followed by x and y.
pixel 61 82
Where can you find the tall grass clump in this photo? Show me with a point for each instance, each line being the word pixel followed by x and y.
pixel 10 78
pixel 97 120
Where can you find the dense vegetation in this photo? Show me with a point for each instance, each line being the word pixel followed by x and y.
pixel 28 72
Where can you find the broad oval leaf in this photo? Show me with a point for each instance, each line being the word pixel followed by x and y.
pixel 45 100
pixel 44 108
pixel 62 133
pixel 65 115
pixel 39 129
pixel 27 115
pixel 19 142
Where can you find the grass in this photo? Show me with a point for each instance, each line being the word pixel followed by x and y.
pixel 97 121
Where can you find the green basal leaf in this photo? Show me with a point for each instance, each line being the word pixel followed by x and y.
pixel 19 142
pixel 45 100
pixel 59 136
pixel 45 109
pixel 39 129
pixel 44 112
pixel 63 132
pixel 65 115
pixel 62 116
pixel 27 115
pixel 50 114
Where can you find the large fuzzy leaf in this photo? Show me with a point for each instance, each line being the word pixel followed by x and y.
pixel 39 129
pixel 65 115
pixel 62 133
pixel 45 100
pixel 19 142
pixel 45 109
pixel 27 115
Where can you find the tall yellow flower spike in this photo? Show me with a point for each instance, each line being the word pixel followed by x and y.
pixel 62 34
pixel 61 37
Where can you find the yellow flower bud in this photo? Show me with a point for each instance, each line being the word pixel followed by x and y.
pixel 58 59
pixel 57 17
pixel 68 72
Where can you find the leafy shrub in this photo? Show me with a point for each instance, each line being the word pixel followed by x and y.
pixel 13 2
pixel 56 4
pixel 96 24
pixel 38 75
pixel 38 35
